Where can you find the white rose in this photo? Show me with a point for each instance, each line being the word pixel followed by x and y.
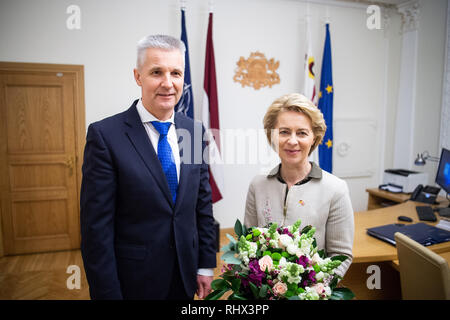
pixel 291 249
pixel 316 258
pixel 285 240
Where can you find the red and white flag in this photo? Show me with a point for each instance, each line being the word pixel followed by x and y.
pixel 309 89
pixel 210 118
pixel 310 79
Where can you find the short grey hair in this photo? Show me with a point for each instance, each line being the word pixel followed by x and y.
pixel 158 41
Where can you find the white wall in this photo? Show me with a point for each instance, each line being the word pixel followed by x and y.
pixel 430 70
pixel 365 66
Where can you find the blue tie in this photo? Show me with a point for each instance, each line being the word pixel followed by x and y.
pixel 166 157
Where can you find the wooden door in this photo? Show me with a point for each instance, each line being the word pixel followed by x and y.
pixel 41 116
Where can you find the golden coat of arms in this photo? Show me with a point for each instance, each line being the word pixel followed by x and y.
pixel 257 71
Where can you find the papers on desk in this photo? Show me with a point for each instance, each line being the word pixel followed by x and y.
pixel 444 224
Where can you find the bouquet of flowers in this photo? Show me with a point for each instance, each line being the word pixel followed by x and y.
pixel 277 263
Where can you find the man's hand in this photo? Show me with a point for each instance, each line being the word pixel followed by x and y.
pixel 203 286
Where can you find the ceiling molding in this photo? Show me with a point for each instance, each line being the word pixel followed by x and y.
pixel 388 4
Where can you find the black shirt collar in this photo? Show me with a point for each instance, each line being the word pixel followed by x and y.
pixel 315 173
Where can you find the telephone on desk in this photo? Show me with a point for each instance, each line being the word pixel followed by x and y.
pixel 427 194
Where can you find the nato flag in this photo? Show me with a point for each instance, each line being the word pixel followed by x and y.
pixel 186 103
pixel 326 106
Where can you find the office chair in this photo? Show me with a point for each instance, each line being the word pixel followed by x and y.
pixel 423 273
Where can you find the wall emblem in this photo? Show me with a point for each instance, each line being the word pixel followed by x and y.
pixel 257 71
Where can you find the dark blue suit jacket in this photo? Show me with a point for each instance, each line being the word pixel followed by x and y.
pixel 131 230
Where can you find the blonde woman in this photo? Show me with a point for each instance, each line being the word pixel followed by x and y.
pixel 297 188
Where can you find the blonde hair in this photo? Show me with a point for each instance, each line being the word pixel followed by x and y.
pixel 298 103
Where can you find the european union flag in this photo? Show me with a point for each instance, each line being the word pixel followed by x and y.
pixel 186 103
pixel 326 106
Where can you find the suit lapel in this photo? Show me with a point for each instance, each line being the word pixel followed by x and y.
pixel 139 138
pixel 185 168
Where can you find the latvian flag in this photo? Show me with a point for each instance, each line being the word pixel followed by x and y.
pixel 210 118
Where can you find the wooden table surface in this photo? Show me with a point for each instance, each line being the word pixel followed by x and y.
pixel 369 249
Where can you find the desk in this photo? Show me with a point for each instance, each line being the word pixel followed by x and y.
pixel 381 199
pixel 368 251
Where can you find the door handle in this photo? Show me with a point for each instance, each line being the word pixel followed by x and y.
pixel 70 163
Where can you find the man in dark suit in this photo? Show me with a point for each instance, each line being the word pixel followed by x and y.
pixel 146 212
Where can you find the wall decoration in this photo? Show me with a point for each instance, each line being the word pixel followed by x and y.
pixel 257 71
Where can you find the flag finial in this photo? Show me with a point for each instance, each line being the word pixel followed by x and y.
pixel 210 5
pixel 327 18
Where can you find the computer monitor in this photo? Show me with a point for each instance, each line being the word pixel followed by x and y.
pixel 443 173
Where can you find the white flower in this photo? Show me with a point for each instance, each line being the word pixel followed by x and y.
pixel 309 294
pixel 282 262
pixel 263 230
pixel 305 245
pixel 316 259
pixel 320 275
pixel 292 249
pixel 245 259
pixel 252 250
pixel 273 243
pixel 292 271
pixel 285 240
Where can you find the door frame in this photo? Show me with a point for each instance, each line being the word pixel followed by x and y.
pixel 80 123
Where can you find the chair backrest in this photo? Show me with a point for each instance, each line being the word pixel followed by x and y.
pixel 423 273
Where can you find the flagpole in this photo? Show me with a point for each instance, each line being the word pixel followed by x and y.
pixel 210 6
pixel 186 103
pixel 327 17
pixel 308 15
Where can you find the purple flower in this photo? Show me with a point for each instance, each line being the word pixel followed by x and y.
pixel 256 275
pixel 285 231
pixel 303 260
pixel 312 276
pixel 310 279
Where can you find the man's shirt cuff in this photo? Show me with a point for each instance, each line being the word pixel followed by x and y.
pixel 205 272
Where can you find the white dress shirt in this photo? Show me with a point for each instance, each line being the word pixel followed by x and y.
pixel 153 134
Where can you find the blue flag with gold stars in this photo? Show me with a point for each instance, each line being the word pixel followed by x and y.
pixel 326 106
pixel 186 103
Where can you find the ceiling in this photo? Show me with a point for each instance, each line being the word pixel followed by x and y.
pixel 387 2
pixel 395 2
